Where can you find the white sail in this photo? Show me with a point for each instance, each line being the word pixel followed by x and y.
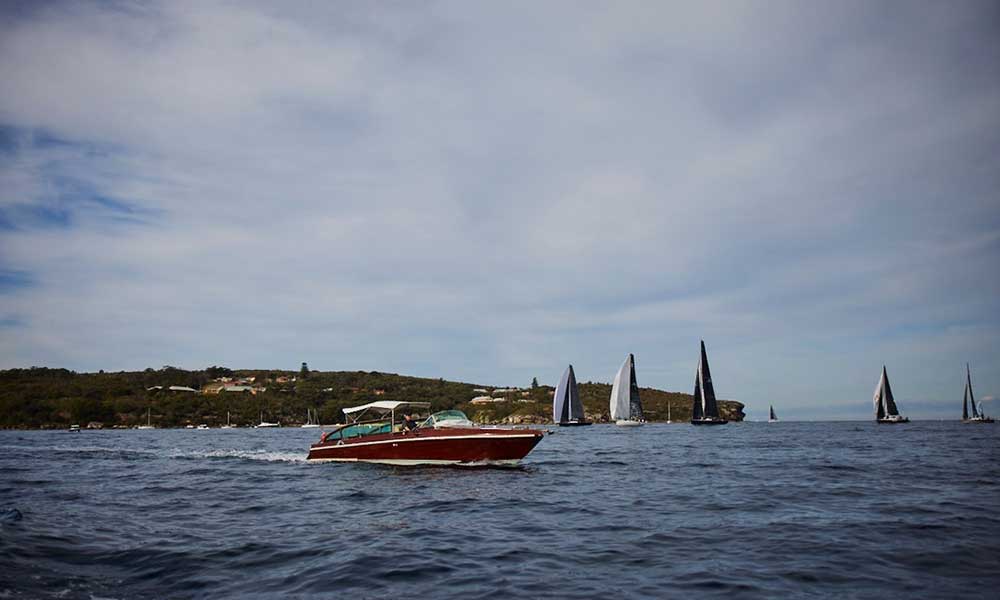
pixel 877 403
pixel 620 392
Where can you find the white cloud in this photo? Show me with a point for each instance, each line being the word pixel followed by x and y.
pixel 488 192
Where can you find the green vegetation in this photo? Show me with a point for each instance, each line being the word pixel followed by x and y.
pixel 56 398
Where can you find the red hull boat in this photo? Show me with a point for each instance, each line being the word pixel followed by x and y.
pixel 445 438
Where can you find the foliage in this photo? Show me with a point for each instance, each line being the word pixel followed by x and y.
pixel 55 398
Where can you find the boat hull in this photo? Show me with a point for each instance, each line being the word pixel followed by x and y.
pixel 628 423
pixel 709 421
pixel 453 446
pixel 983 420
pixel 575 423
pixel 892 421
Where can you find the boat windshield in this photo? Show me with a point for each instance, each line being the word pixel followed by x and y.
pixel 358 430
pixel 448 418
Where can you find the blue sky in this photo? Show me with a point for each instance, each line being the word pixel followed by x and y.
pixel 488 191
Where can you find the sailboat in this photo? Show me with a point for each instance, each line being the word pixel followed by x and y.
pixel 772 418
pixel 704 408
pixel 668 411
pixel 626 408
pixel 969 400
pixel 567 410
pixel 149 423
pixel 884 404
pixel 264 423
pixel 310 424
pixel 228 424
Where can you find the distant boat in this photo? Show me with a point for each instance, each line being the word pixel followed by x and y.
pixel 772 418
pixel 265 424
pixel 969 400
pixel 668 411
pixel 567 410
pixel 310 424
pixel 74 428
pixel 202 426
pixel 884 404
pixel 704 408
pixel 149 423
pixel 626 407
pixel 228 425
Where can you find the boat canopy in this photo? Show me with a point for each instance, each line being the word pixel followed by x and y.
pixel 383 407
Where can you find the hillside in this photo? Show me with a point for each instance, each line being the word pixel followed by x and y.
pixel 55 398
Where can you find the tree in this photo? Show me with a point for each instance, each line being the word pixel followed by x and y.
pixel 534 383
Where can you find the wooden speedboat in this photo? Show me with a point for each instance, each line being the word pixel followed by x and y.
pixel 444 438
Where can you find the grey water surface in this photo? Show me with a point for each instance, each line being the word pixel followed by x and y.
pixel 748 510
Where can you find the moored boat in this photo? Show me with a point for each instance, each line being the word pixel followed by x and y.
pixel 978 416
pixel 149 421
pixel 704 407
pixel 375 433
pixel 265 424
pixel 310 423
pixel 567 410
pixel 886 411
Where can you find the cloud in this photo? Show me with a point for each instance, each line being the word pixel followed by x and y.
pixel 489 192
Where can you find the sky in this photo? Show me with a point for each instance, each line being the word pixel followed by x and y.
pixel 487 192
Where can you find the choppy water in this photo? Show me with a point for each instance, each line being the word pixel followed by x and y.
pixel 747 510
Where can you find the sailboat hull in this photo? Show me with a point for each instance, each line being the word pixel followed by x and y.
pixel 709 421
pixel 574 423
pixel 892 421
pixel 980 420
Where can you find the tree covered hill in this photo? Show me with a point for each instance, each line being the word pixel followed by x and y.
pixel 55 398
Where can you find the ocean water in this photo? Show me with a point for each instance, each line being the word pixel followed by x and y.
pixel 749 510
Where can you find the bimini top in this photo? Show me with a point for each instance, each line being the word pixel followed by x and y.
pixel 385 406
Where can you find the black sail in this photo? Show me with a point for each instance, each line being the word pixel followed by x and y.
pixel 772 416
pixel 890 404
pixel 574 405
pixel 634 403
pixel 708 391
pixel 972 398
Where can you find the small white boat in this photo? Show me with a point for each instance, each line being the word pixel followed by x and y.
pixel 149 424
pixel 228 425
pixel 626 407
pixel 265 424
pixel 202 426
pixel 310 423
pixel 74 428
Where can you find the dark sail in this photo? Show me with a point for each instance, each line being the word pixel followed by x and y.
pixel 972 398
pixel 890 404
pixel 634 404
pixel 772 416
pixel 707 390
pixel 566 405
